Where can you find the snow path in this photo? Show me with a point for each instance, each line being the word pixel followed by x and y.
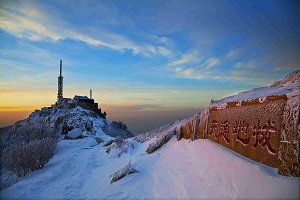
pixel 179 170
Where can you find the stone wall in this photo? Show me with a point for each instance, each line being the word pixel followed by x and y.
pixel 266 130
pixel 289 154
pixel 251 130
pixel 196 127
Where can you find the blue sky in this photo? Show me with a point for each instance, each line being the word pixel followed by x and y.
pixel 148 62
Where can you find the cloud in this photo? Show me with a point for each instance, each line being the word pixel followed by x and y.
pixel 34 23
pixel 189 73
pixel 194 59
pixel 233 54
pixel 140 99
pixel 238 65
pixel 211 62
pixel 194 65
pixel 190 57
pixel 29 54
pixel 288 66
pixel 24 22
pixel 256 72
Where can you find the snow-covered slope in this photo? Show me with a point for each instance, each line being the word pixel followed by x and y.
pixel 179 170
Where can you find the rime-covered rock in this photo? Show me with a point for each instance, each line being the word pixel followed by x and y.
pixel 289 151
pixel 179 133
pixel 114 131
pixel 99 140
pixel 119 146
pixel 292 77
pixel 108 143
pixel 160 131
pixel 276 83
pixel 75 133
pixel 124 171
pixel 89 126
pixel 160 141
pixel 194 128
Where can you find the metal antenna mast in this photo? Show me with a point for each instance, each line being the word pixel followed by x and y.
pixel 60 84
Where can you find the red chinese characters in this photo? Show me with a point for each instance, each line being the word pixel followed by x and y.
pixel 262 135
pixel 224 131
pixel 241 127
pixel 214 126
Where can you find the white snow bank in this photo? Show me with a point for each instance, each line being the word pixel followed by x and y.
pixel 179 170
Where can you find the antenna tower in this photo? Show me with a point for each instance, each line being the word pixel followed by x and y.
pixel 60 84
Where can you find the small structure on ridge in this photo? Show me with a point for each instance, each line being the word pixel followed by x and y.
pixel 82 101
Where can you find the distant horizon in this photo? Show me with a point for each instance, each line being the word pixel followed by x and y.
pixel 147 62
pixel 136 126
pixel 143 125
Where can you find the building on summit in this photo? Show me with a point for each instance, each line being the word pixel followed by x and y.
pixel 82 101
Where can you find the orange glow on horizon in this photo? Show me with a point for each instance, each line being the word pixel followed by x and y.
pixel 8 118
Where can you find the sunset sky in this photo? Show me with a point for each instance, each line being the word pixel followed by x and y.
pixel 148 62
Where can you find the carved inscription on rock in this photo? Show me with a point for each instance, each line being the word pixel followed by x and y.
pixel 251 130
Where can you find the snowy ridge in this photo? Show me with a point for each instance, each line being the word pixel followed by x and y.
pixel 290 86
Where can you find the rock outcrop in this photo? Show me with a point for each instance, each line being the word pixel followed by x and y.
pixel 119 146
pixel 292 77
pixel 160 141
pixel 161 130
pixel 195 127
pixel 75 133
pixel 289 152
pixel 89 125
pixel 113 131
pixel 124 171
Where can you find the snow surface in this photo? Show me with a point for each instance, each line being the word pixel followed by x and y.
pixel 179 170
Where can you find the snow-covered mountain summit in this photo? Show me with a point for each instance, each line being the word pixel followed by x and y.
pixel 87 122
